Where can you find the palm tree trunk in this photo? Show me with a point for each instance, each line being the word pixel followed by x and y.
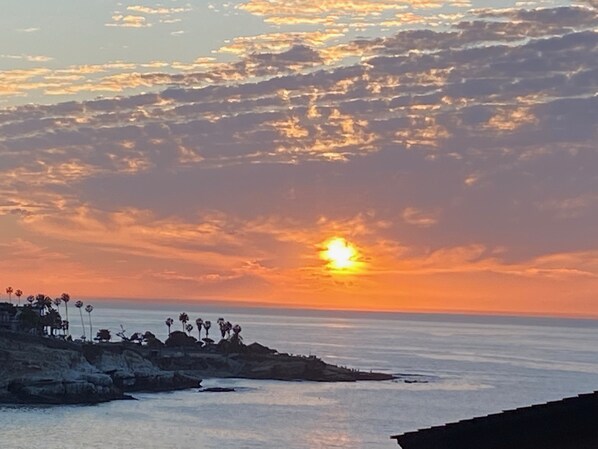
pixel 90 329
pixel 82 322
pixel 66 308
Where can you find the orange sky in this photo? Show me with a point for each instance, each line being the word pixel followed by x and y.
pixel 453 148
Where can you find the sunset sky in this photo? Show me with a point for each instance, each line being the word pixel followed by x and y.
pixel 421 155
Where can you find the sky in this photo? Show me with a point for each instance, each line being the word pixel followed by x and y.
pixel 399 155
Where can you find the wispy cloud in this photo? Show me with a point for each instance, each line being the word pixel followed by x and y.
pixel 28 30
pixel 139 16
pixel 28 58
pixel 128 21
pixel 333 12
pixel 451 157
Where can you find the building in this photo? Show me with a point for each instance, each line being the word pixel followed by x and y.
pixel 8 317
pixel 570 423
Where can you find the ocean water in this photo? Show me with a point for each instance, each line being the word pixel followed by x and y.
pixel 473 366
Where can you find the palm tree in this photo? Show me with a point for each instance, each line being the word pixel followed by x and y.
pixel 199 323
pixel 221 324
pixel 169 322
pixel 79 305
pixel 43 302
pixel 228 327
pixel 57 302
pixel 18 294
pixel 65 299
pixel 183 318
pixel 52 320
pixel 236 339
pixel 9 290
pixel 189 328
pixel 89 309
pixel 207 325
pixel 30 299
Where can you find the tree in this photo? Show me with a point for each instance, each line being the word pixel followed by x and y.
pixel 79 305
pixel 189 328
pixel 103 336
pixel 30 319
pixel 183 318
pixel 151 341
pixel 18 294
pixel 89 309
pixel 178 338
pixel 237 332
pixel 122 333
pixel 53 320
pixel 30 299
pixel 9 290
pixel 57 302
pixel 207 325
pixel 65 299
pixel 136 338
pixel 199 323
pixel 169 322
pixel 43 302
pixel 221 325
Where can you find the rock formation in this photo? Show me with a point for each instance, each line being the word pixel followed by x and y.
pixel 51 371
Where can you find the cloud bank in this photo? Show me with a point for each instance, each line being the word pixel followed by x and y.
pixel 459 160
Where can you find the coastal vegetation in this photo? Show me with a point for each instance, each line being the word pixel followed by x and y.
pixel 43 363
pixel 42 315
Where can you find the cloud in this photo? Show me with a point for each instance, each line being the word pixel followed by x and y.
pixel 128 21
pixel 157 11
pixel 28 58
pixel 450 157
pixel 277 42
pixel 333 12
pixel 28 30
pixel 416 217
pixel 137 16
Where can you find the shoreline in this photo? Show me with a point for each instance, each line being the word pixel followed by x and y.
pixel 40 370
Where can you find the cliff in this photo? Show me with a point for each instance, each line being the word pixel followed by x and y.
pixel 257 362
pixel 51 371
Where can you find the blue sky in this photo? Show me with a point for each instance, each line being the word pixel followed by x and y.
pixel 212 149
pixel 67 34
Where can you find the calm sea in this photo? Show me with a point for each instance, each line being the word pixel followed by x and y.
pixel 474 365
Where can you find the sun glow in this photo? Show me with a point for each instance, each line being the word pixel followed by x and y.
pixel 340 254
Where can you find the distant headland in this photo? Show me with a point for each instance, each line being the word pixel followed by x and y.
pixel 41 362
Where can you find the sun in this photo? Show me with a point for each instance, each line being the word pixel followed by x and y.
pixel 340 254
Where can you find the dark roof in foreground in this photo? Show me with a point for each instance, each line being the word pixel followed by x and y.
pixel 568 423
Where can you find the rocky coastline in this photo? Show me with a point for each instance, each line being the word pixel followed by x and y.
pixel 40 370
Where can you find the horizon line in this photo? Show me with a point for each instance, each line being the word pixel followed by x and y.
pixel 312 308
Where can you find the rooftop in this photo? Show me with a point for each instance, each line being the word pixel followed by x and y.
pixel 567 423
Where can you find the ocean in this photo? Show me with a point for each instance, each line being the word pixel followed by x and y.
pixel 469 365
